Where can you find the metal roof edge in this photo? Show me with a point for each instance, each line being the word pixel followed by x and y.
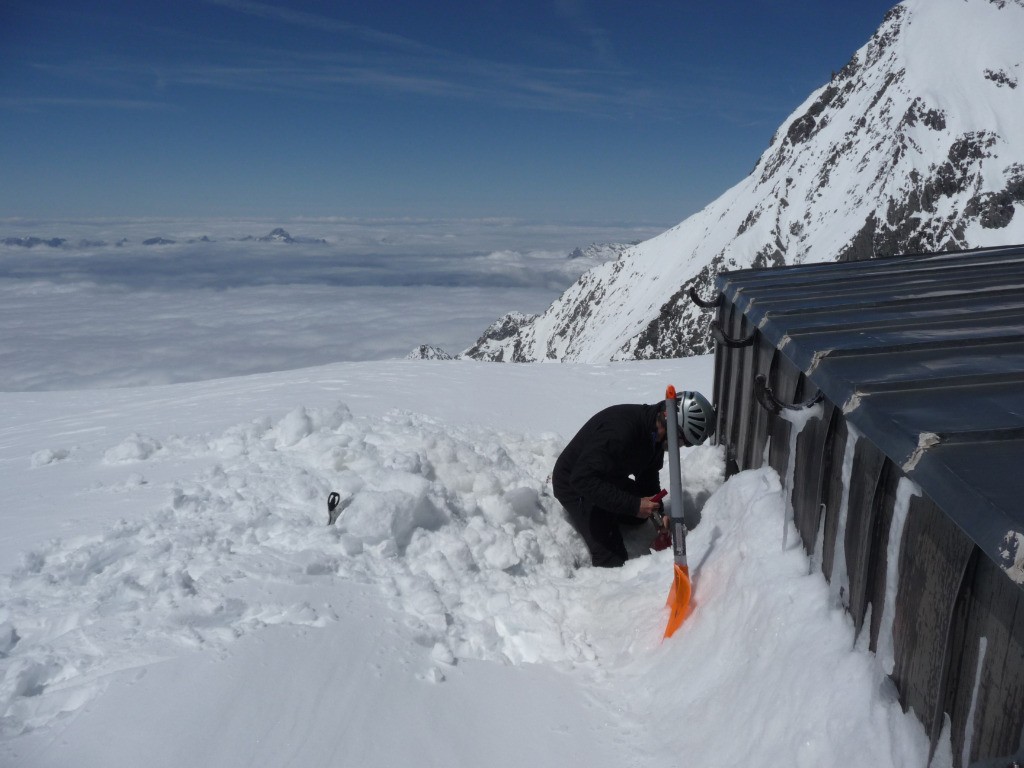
pixel 923 456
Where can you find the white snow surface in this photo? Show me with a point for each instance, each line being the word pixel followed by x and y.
pixel 173 596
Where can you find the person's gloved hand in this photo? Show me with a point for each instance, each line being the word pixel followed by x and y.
pixel 649 506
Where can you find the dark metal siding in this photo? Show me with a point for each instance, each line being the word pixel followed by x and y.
pixel 923 356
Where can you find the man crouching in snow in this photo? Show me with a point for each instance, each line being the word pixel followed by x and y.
pixel 606 475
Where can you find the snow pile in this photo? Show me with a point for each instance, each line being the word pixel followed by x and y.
pixel 816 695
pixel 454 525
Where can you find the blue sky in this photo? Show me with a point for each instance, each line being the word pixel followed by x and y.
pixel 573 110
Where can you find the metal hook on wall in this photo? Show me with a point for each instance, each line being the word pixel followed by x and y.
pixel 766 398
pixel 705 303
pixel 725 339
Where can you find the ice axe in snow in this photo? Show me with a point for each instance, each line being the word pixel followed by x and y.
pixel 335 506
pixel 679 595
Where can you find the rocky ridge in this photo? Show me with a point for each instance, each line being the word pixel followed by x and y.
pixel 917 144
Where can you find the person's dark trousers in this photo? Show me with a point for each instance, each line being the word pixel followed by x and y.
pixel 599 529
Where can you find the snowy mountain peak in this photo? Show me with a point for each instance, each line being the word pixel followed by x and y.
pixel 428 352
pixel 917 144
pixel 277 235
pixel 491 345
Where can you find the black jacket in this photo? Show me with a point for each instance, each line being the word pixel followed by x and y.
pixel 597 463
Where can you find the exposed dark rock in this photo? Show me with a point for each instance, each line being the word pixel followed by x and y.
pixel 862 246
pixel 1015 185
pixel 748 222
pixel 769 256
pixel 932 118
pixel 971 146
pixel 807 124
pixel 1000 77
pixel 508 326
pixel 680 329
pixel 886 35
pixel 850 71
pixel 995 210
pixel 601 251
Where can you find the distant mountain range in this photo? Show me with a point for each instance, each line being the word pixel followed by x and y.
pixel 277 235
pixel 917 144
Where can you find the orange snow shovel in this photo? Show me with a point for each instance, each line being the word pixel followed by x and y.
pixel 679 595
pixel 678 599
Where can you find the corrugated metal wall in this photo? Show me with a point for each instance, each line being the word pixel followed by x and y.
pixel 958 621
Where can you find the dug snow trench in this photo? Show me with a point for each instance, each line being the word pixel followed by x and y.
pixel 455 527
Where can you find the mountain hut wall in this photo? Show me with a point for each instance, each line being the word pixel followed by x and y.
pixel 889 396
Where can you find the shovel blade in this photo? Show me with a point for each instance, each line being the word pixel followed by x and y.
pixel 678 599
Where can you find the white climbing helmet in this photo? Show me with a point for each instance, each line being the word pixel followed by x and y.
pixel 696 418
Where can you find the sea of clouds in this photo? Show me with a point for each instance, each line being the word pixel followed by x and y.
pixel 108 306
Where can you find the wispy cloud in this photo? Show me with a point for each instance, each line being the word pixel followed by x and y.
pixel 350 58
pixel 318 22
pixel 328 76
pixel 390 63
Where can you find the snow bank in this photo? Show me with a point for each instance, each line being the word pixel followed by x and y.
pixel 455 528
pixel 455 525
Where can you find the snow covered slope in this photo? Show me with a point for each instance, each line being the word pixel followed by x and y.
pixel 917 144
pixel 171 594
